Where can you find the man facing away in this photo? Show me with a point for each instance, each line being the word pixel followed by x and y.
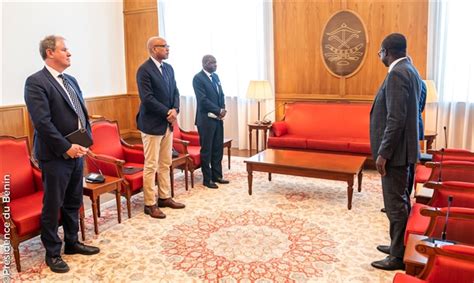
pixel 159 107
pixel 209 115
pixel 56 107
pixel 394 141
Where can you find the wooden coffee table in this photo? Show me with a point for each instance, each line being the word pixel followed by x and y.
pixel 308 164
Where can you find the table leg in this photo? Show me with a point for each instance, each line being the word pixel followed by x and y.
pixel 250 142
pixel 350 192
pixel 228 156
pixel 256 141
pixel 269 176
pixel 264 139
pixel 98 206
pixel 186 174
pixel 359 179
pixel 172 180
pixel 94 214
pixel 119 204
pixel 249 178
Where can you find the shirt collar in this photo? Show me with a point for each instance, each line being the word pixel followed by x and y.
pixel 207 73
pixel 390 68
pixel 53 72
pixel 158 64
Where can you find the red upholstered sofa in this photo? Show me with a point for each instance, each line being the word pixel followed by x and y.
pixel 337 127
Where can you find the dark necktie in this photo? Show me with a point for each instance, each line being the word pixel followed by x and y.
pixel 165 76
pixel 214 82
pixel 75 100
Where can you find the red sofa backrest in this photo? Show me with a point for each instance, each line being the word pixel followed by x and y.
pixel 106 137
pixel 15 163
pixel 328 120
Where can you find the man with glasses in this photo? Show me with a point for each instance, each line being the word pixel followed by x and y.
pixel 159 108
pixel 394 141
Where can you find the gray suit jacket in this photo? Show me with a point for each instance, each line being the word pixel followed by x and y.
pixel 394 116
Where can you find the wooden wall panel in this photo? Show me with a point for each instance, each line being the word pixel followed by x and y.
pixel 115 107
pixel 14 121
pixel 140 23
pixel 300 74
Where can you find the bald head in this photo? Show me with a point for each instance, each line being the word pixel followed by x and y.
pixel 158 48
pixel 209 63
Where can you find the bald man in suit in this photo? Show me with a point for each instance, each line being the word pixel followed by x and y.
pixel 209 120
pixel 159 108
pixel 394 141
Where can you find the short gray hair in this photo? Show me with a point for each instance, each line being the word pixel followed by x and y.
pixel 49 42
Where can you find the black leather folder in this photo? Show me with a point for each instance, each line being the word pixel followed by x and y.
pixel 80 137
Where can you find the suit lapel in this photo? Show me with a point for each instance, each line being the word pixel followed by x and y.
pixel 58 87
pixel 158 74
pixel 209 82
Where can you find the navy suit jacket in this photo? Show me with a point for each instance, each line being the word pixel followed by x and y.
pixel 156 98
pixel 208 99
pixel 52 114
pixel 394 116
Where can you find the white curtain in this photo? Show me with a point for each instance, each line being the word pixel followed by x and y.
pixel 240 35
pixel 451 66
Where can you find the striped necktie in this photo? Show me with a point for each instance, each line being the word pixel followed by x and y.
pixel 75 100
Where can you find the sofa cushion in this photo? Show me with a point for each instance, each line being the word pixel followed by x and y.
pixel 26 213
pixel 287 141
pixel 360 147
pixel 279 128
pixel 136 179
pixel 332 145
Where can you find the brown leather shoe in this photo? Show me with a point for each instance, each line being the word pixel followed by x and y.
pixel 154 211
pixel 169 202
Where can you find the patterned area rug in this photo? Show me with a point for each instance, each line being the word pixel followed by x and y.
pixel 292 229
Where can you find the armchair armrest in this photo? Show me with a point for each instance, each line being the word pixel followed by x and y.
pixel 192 137
pixel 108 165
pixel 180 146
pixel 279 128
pixel 462 192
pixel 133 153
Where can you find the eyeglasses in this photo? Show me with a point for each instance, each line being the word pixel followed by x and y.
pixel 162 45
pixel 382 50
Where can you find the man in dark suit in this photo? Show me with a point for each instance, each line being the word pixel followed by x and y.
pixel 56 107
pixel 394 141
pixel 209 115
pixel 159 107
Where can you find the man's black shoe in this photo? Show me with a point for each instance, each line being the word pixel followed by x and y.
pixel 383 248
pixel 211 185
pixel 56 264
pixel 383 210
pixel 221 181
pixel 80 248
pixel 389 263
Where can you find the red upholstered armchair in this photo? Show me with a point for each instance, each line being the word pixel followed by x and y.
pixel 446 264
pixel 428 220
pixel 423 172
pixel 22 194
pixel 187 142
pixel 110 153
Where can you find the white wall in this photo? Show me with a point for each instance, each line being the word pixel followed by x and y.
pixel 94 34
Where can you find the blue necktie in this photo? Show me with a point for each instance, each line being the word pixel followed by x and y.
pixel 75 100
pixel 214 81
pixel 165 76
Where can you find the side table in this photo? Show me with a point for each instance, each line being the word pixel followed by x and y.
pixel 95 190
pixel 429 138
pixel 258 127
pixel 180 161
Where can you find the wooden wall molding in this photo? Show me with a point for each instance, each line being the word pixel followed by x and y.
pixel 300 73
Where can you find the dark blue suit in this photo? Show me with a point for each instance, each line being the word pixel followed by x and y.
pixel 53 118
pixel 211 131
pixel 157 97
